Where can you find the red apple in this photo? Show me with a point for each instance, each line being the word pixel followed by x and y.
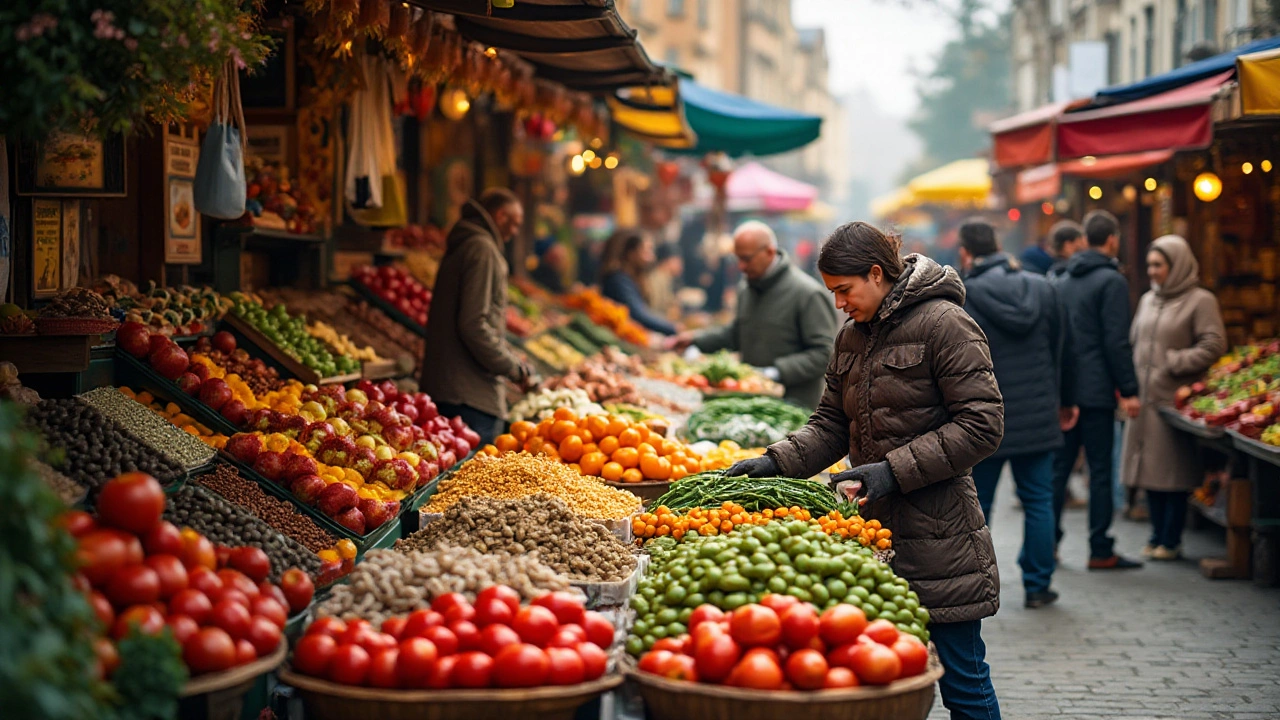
pixel 189 383
pixel 170 361
pixel 336 498
pixel 134 338
pixel 235 411
pixel 353 520
pixel 244 447
pixel 225 341
pixel 200 370
pixel 270 465
pixel 299 465
pixel 308 488
pixel 157 342
pixel 215 392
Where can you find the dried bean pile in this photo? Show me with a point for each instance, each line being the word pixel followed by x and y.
pixel 390 583
pixel 226 524
pixel 68 490
pixel 279 514
pixel 97 449
pixel 151 429
pixel 541 524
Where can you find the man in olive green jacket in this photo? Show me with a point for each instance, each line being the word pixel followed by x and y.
pixel 785 323
pixel 467 354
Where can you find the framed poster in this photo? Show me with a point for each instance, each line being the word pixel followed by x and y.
pixel 46 256
pixel 182 244
pixel 69 164
pixel 270 143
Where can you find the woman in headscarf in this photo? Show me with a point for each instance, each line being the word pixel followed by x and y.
pixel 1177 334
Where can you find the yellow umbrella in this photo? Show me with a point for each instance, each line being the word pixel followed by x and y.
pixel 1259 75
pixel 963 182
pixel 890 203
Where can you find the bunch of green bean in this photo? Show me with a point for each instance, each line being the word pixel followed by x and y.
pixel 712 488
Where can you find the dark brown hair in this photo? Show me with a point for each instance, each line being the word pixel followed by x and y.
pixel 853 248
pixel 1100 225
pixel 1063 232
pixel 978 237
pixel 496 198
pixel 616 249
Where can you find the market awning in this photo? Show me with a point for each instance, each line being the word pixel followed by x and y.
pixel 754 187
pixel 1044 182
pixel 1026 138
pixel 963 182
pixel 655 113
pixel 1179 119
pixel 1259 76
pixel 739 126
pixel 581 44
pixel 885 205
pixel 1192 72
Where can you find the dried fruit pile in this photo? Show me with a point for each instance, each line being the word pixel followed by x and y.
pixel 78 302
pixel 518 475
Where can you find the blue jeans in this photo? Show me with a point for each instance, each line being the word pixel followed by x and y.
pixel 1096 432
pixel 1168 517
pixel 966 684
pixel 1033 478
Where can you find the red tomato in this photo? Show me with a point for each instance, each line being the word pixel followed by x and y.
pixel 230 595
pixel 842 656
pixel 147 618
pixel 265 635
pixel 203 579
pixel 703 613
pixel 133 502
pixel 222 554
pixel 705 632
pixel 460 612
pixel 102 608
pixel 245 652
pixel 232 617
pixel 568 636
pixel 251 561
pixel 840 677
pixel 209 650
pixel 100 553
pixel 655 661
pixel 298 589
pixel 594 659
pixel 375 642
pixel 354 629
pixel 163 539
pixel 239 581
pixel 500 592
pixel 77 522
pixel 447 601
pixel 443 638
pixel 495 638
pixel 493 611
pixel 270 609
pixel 669 644
pixel 192 603
pixel 755 626
pixel 536 625
pixel 758 671
pixel 197 551
pixel 913 654
pixel 565 666
pixel 331 626
pixel 841 624
pixel 266 589
pixel 183 627
pixel 882 631
pixel 172 575
pixel 779 603
pixel 394 626
pixel 599 630
pixel 312 654
pixel 876 664
pixel 382 668
pixel 807 669
pixel 349 665
pixel 417 660
pixel 419 620
pixel 521 665
pixel 467 633
pixel 681 667
pixel 716 656
pixel 472 670
pixel 442 673
pixel 567 607
pixel 799 626
pixel 108 656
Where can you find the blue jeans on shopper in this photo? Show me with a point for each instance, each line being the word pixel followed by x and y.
pixel 1033 478
pixel 1096 433
pixel 1168 517
pixel 966 685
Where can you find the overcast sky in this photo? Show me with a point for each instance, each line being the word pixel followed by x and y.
pixel 874 43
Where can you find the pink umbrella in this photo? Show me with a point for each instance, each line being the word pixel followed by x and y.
pixel 756 187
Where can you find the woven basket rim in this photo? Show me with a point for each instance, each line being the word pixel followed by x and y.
pixel 480 695
pixel 77 326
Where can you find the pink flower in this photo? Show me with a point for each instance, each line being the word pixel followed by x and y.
pixel 235 55
pixel 131 44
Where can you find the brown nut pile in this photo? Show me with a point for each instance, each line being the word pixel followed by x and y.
pixel 391 583
pixel 281 515
pixel 517 475
pixel 78 303
pixel 538 524
pixel 68 490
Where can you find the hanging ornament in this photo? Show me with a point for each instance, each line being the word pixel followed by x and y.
pixel 398 20
pixel 420 35
pixel 668 172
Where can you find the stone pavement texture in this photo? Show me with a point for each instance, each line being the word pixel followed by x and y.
pixel 1160 643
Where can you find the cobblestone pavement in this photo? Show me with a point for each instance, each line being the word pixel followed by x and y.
pixel 1160 643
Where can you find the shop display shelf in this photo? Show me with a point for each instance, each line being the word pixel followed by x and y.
pixel 281 358
pixel 391 311
pixel 135 373
pixel 379 369
pixel 1255 448
pixel 1197 428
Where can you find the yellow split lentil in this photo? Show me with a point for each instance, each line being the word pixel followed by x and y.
pixel 516 475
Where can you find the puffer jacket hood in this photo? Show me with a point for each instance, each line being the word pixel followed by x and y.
pixel 1087 261
pixel 922 279
pixel 1009 302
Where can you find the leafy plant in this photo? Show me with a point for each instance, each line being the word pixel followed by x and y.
pixel 150 676
pixel 104 66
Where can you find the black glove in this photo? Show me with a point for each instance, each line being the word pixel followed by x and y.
pixel 763 466
pixel 869 482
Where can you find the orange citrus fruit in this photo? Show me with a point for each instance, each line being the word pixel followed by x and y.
pixel 633 475
pixel 506 443
pixel 565 413
pixel 627 457
pixel 608 444
pixel 616 425
pixel 562 429
pixel 655 467
pixel 598 425
pixel 523 429
pixel 570 448
pixel 629 438
pixel 611 471
pixel 592 463
pixel 645 448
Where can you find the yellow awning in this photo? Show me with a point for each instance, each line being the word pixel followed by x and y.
pixel 1259 76
pixel 963 182
pixel 655 113
pixel 890 203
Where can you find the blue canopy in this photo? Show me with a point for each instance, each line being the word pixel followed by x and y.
pixel 1198 70
pixel 737 126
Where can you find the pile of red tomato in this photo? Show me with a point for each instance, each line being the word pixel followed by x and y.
pixel 784 644
pixel 138 570
pixel 493 643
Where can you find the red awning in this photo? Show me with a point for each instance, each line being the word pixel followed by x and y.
pixel 1026 138
pixel 1180 119
pixel 1038 183
pixel 1044 182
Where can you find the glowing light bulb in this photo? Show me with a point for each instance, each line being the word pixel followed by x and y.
pixel 1095 192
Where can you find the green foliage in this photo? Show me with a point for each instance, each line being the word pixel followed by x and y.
pixel 104 66
pixel 150 676
pixel 969 83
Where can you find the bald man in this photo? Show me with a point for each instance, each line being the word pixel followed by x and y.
pixel 785 322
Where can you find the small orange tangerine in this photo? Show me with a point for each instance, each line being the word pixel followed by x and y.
pixel 611 471
pixel 633 475
pixel 655 467
pixel 523 429
pixel 592 463
pixel 571 448
pixel 629 438
pixel 645 448
pixel 562 429
pixel 627 457
pixel 616 425
pixel 506 443
pixel 598 425
pixel 609 445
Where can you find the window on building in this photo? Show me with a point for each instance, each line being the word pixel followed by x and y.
pixel 1133 49
pixel 1148 40
pixel 1113 57
pixel 1240 14
pixel 1211 22
pixel 675 8
pixel 704 14
pixel 1181 32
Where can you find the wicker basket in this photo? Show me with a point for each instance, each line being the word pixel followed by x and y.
pixel 220 696
pixel 909 699
pixel 324 700
pixel 74 326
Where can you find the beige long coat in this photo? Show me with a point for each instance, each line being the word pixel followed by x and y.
pixel 1177 334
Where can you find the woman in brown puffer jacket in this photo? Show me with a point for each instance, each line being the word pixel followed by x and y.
pixel 912 399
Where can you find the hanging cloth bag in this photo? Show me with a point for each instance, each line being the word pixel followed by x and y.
pixel 219 187
pixel 374 190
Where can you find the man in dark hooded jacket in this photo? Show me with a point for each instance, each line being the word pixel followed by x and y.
pixel 1026 328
